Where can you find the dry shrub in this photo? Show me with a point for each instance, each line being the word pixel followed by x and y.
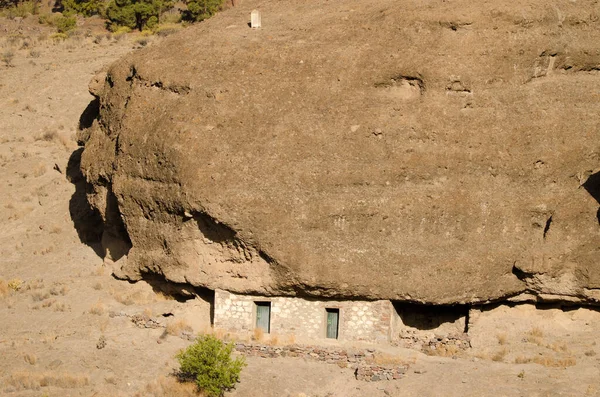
pixel 590 353
pixel 53 136
pixel 35 284
pixel 502 338
pixel 61 307
pixel 558 346
pixel 500 354
pixel 442 350
pixel 59 291
pixel 48 303
pixel 535 336
pixel 258 334
pixel 274 340
pixel 537 332
pixel 7 57
pixel 131 298
pixel 169 387
pixel 15 284
pixel 39 296
pixel 33 381
pixel 98 308
pixel 30 358
pixel 547 361
pixel 177 327
pixel 98 286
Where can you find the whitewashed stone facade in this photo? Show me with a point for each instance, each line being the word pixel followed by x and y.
pixel 358 320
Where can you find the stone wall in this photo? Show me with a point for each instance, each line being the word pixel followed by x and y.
pixel 362 361
pixel 306 318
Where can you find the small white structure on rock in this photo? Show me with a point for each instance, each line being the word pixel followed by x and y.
pixel 255 19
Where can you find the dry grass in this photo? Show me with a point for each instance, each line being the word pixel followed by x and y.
pixel 273 340
pixel 177 327
pixel 535 336
pixel 132 297
pixel 500 354
pixel 39 296
pixel 33 381
pixel 98 308
pixel 53 136
pixel 547 361
pixel 258 334
pixel 442 351
pixel 7 57
pixel 59 291
pixel 169 387
pixel 61 307
pixel 30 359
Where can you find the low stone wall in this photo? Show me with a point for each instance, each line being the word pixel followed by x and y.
pixel 362 361
pixel 430 343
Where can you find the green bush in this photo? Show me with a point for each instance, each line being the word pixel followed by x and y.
pixel 136 14
pixel 64 24
pixel 199 10
pixel 84 7
pixel 11 10
pixel 208 362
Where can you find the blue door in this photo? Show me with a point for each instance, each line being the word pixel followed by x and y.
pixel 333 320
pixel 263 316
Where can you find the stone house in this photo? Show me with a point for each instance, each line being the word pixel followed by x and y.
pixel 349 320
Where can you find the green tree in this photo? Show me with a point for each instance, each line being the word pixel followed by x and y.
pixel 136 14
pixel 199 10
pixel 208 362
pixel 84 7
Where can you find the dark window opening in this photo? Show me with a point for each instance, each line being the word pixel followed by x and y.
pixel 333 323
pixel 263 316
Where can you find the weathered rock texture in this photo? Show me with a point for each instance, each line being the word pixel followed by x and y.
pixel 415 150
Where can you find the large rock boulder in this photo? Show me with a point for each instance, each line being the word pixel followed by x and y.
pixel 429 151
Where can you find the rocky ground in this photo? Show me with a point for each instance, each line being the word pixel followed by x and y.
pixel 68 328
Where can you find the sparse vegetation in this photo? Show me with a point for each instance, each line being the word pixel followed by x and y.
pixel 258 334
pixel 15 284
pixel 177 327
pixel 7 57
pixel 33 381
pixel 208 362
pixel 98 308
pixel 169 387
pixel 547 361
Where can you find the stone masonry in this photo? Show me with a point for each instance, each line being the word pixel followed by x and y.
pixel 362 361
pixel 369 321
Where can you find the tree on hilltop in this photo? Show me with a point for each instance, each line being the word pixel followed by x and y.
pixel 136 14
